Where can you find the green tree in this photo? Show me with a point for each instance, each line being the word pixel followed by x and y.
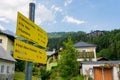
pixel 45 75
pixel 118 49
pixel 67 64
pixel 104 53
pixel 20 65
pixel 113 50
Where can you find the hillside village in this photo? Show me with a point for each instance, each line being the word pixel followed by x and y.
pixel 94 61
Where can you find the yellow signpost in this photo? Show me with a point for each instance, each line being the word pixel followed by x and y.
pixel 33 33
pixel 28 52
pixel 30 31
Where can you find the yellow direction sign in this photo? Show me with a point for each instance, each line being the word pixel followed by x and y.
pixel 28 52
pixel 30 31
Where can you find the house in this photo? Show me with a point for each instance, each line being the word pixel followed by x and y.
pixel 96 33
pixel 7 41
pixel 52 59
pixel 102 59
pixel 101 70
pixel 87 51
pixel 96 68
pixel 7 65
pixel 7 62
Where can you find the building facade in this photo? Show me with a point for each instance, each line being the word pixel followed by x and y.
pixel 87 51
pixel 7 62
pixel 7 65
pixel 7 42
pixel 101 70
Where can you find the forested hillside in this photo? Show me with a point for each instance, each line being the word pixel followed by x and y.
pixel 57 39
pixel 108 42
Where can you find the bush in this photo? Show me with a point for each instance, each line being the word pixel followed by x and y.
pixel 67 64
pixel 35 71
pixel 90 78
pixel 54 74
pixel 45 75
pixel 20 65
pixel 79 77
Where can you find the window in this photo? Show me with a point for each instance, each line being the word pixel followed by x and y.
pixel 13 69
pixel 8 69
pixel 0 40
pixel 84 50
pixel 2 69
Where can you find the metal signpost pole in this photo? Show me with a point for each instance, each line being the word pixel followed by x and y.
pixel 28 75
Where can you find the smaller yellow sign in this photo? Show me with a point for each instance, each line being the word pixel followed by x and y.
pixel 28 52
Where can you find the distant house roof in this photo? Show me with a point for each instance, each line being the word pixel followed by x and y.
pixel 6 56
pixel 100 62
pixel 8 33
pixel 50 53
pixel 83 44
pixel 102 59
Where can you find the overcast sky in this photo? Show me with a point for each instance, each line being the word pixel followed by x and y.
pixel 64 15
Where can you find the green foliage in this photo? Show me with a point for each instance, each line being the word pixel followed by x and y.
pixel 45 75
pixel 108 43
pixel 104 53
pixel 21 76
pixel 90 78
pixel 56 34
pixel 118 49
pixel 68 65
pixel 20 65
pixel 56 40
pixel 79 77
pixel 54 74
pixel 35 71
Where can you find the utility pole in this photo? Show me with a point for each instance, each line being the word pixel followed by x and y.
pixel 28 73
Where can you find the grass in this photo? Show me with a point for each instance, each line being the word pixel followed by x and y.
pixel 21 76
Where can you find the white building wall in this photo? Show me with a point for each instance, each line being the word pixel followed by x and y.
pixel 95 59
pixel 81 59
pixel 4 41
pixel 88 69
pixel 115 73
pixel 10 64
